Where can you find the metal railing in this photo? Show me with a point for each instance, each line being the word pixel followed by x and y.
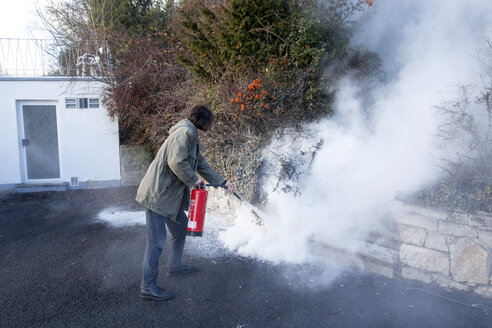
pixel 45 57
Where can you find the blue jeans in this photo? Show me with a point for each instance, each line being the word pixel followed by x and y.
pixel 156 237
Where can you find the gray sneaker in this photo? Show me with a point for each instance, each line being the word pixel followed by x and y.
pixel 156 294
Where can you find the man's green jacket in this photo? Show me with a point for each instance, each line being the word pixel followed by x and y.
pixel 173 170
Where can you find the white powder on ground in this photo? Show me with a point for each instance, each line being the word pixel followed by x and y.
pixel 210 246
pixel 121 217
pixel 206 246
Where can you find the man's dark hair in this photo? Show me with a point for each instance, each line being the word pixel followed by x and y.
pixel 201 116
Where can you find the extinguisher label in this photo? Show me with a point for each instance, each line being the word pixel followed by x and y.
pixel 191 224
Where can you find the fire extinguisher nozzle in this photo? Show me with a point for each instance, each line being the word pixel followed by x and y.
pixel 238 197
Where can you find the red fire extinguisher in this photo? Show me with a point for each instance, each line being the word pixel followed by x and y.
pixel 198 206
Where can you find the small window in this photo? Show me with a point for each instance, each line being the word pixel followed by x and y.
pixel 83 103
pixel 93 103
pixel 70 102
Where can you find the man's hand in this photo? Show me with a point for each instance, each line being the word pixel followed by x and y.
pixel 229 187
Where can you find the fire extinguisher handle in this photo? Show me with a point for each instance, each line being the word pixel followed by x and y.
pixel 200 185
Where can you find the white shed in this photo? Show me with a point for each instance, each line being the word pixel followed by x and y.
pixel 55 134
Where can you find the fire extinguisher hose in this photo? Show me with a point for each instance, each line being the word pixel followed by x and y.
pixel 253 209
pixel 223 186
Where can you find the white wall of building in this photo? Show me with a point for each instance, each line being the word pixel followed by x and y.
pixel 88 141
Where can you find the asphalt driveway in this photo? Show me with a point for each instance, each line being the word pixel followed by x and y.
pixel 62 267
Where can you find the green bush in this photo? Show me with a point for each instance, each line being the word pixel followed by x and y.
pixel 259 66
pixel 281 43
pixel 234 36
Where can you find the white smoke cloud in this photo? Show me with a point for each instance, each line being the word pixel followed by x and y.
pixel 427 47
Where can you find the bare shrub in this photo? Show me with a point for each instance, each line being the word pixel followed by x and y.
pixel 466 133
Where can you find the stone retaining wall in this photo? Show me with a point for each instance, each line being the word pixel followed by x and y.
pixel 134 162
pixel 451 250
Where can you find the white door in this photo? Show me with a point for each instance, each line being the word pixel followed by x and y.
pixel 39 141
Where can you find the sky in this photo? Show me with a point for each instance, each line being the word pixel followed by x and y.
pixel 17 16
